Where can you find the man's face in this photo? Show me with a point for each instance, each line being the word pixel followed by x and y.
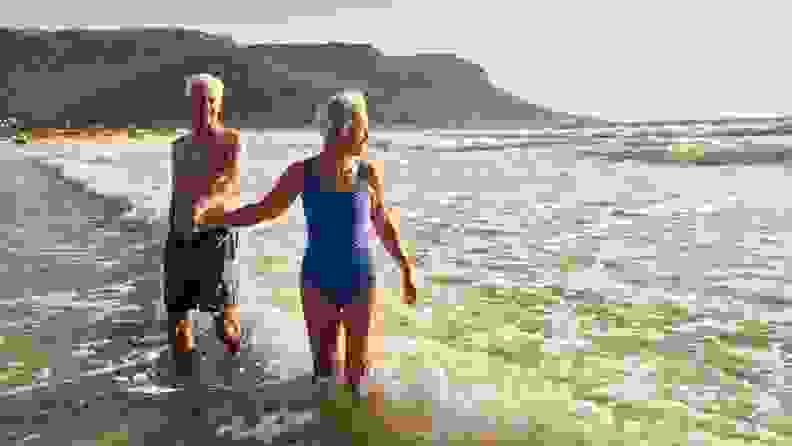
pixel 215 106
pixel 359 133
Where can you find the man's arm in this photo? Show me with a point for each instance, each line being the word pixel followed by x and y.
pixel 383 218
pixel 272 206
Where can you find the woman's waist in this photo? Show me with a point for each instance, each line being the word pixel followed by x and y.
pixel 349 255
pixel 338 234
pixel 336 272
pixel 340 245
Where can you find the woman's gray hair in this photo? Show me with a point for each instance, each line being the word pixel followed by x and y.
pixel 337 113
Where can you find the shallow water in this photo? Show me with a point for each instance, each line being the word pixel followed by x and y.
pixel 605 231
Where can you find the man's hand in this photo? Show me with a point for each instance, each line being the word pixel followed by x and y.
pixel 408 291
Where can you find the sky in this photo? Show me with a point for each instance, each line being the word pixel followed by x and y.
pixel 618 60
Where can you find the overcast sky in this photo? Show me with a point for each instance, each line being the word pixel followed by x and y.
pixel 620 60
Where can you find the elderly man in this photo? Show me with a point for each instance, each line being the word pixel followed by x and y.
pixel 200 263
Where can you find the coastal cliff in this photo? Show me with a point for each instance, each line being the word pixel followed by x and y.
pixel 135 77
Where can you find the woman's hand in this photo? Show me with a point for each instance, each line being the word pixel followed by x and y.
pixel 409 293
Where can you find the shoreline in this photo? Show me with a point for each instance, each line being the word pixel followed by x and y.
pixel 78 136
pixel 99 136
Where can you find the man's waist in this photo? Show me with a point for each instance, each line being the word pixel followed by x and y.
pixel 200 232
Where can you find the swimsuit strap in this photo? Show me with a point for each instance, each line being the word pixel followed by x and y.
pixel 360 168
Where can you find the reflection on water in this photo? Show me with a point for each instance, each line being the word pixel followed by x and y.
pixel 603 230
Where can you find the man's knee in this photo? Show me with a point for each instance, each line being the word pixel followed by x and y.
pixel 230 325
pixel 181 326
pixel 181 333
pixel 231 312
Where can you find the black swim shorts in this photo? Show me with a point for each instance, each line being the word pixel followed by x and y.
pixel 201 271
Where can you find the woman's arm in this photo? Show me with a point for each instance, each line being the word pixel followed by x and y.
pixel 383 219
pixel 272 206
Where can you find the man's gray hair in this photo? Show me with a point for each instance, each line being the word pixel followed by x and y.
pixel 214 84
pixel 337 113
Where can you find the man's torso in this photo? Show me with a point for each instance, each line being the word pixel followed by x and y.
pixel 200 172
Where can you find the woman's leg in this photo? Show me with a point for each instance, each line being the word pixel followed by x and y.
pixel 357 319
pixel 341 348
pixel 321 320
pixel 374 351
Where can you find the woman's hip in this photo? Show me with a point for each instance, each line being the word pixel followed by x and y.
pixel 338 272
pixel 354 288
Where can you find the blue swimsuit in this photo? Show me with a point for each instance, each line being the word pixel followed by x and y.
pixel 337 258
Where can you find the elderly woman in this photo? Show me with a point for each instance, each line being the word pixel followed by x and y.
pixel 342 194
pixel 200 263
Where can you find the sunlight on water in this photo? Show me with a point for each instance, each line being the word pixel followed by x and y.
pixel 562 287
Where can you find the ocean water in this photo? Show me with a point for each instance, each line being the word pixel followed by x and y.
pixel 585 275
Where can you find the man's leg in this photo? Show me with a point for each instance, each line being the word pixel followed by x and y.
pixel 229 295
pixel 228 327
pixel 231 324
pixel 178 303
pixel 181 340
pixel 180 331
